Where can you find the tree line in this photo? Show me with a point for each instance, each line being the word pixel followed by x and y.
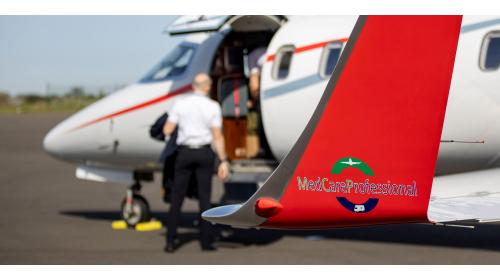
pixel 74 99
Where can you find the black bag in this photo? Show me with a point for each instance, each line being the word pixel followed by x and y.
pixel 167 157
pixel 156 130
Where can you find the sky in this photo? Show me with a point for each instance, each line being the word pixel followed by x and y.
pixel 90 51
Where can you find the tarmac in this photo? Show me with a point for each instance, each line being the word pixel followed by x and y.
pixel 47 216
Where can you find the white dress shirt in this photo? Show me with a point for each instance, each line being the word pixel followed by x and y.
pixel 195 115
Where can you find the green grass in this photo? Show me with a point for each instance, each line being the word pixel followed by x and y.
pixel 48 104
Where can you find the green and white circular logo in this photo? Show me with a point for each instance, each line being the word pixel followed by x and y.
pixel 346 162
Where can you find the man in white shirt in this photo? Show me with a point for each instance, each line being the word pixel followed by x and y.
pixel 199 122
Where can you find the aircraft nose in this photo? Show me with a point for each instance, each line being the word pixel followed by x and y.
pixel 66 143
pixel 52 143
pixel 61 144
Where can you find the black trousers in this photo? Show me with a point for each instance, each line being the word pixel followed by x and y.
pixel 188 163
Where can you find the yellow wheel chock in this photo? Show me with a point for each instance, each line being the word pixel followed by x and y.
pixel 149 226
pixel 119 225
pixel 144 226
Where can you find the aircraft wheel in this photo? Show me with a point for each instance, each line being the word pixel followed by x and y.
pixel 138 211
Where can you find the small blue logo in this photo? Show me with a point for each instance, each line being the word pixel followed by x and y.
pixel 366 207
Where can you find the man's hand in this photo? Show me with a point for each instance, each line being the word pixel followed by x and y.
pixel 169 128
pixel 254 85
pixel 223 170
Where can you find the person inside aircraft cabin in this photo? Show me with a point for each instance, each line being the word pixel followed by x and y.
pixel 199 122
pixel 256 59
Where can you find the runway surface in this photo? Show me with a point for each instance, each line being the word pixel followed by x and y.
pixel 47 216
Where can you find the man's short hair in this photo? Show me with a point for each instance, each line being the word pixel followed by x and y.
pixel 201 80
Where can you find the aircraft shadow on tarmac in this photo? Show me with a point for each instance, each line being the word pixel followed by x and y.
pixel 484 236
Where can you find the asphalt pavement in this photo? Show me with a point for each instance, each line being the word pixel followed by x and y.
pixel 47 216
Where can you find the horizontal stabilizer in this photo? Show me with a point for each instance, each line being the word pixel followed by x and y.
pixel 466 196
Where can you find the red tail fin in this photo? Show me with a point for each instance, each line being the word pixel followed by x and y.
pixel 368 154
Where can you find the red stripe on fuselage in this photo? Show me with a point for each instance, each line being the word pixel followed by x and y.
pixel 168 95
pixel 187 88
pixel 271 57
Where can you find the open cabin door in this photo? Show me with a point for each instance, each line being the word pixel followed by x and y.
pixel 244 44
pixel 207 23
pixel 230 72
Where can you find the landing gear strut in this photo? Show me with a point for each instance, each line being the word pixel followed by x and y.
pixel 135 208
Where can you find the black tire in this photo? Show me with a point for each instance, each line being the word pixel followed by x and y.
pixel 140 211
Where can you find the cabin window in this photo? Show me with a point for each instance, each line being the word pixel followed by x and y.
pixel 490 52
pixel 282 62
pixel 329 59
pixel 174 64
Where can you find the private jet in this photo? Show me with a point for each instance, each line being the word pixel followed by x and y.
pixel 108 141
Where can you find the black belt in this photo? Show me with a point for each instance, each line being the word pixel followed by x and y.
pixel 194 147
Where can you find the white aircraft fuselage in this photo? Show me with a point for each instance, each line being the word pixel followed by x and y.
pixel 109 139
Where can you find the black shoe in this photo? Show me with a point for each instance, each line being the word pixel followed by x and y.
pixel 209 248
pixel 171 246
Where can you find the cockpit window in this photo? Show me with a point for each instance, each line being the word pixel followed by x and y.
pixel 174 64
pixel 490 52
